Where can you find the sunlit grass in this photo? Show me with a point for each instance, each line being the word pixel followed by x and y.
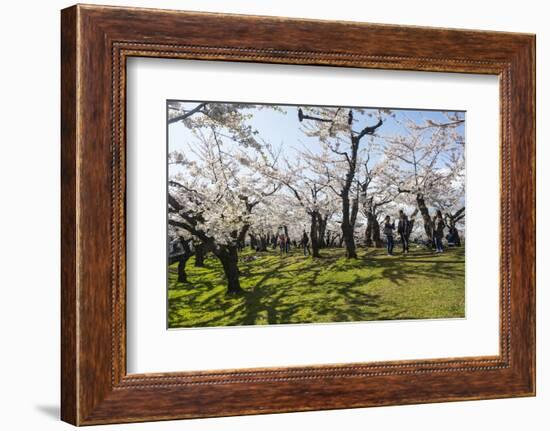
pixel 298 289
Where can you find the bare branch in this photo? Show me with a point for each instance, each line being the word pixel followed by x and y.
pixel 187 114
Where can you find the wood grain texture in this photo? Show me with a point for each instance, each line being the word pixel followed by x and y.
pixel 69 367
pixel 96 41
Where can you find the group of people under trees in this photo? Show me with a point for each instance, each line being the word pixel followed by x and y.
pixel 404 229
pixel 284 242
pixel 182 248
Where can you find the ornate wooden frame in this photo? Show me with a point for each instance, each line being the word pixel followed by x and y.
pixel 95 42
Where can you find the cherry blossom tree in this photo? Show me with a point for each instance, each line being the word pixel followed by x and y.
pixel 341 131
pixel 213 194
pixel 375 194
pixel 427 163
pixel 229 119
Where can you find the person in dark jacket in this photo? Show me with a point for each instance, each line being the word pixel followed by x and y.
pixel 388 231
pixel 305 243
pixel 439 226
pixel 403 231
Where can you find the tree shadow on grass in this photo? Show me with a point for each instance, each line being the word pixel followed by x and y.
pixel 406 269
pixel 289 291
pixel 281 305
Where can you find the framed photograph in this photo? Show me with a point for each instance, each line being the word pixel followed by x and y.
pixel 279 215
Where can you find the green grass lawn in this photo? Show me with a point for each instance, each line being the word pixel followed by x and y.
pixel 298 289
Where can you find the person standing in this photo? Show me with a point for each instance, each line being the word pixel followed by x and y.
pixel 439 225
pixel 305 244
pixel 388 231
pixel 403 231
pixel 282 243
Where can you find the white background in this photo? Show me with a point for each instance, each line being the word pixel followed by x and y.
pixel 29 218
pixel 151 348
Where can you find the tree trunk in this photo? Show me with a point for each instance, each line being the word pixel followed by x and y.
pixel 182 261
pixel 229 258
pixel 263 243
pixel 349 241
pixel 322 230
pixel 313 234
pixel 453 232
pixel 372 234
pixel 411 226
pixel 348 228
pixel 241 237
pixel 330 239
pixel 452 219
pixel 199 254
pixel 354 211
pixel 376 232
pixel 458 241
pixel 428 225
pixel 253 241
pixel 368 235
pixel 348 220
